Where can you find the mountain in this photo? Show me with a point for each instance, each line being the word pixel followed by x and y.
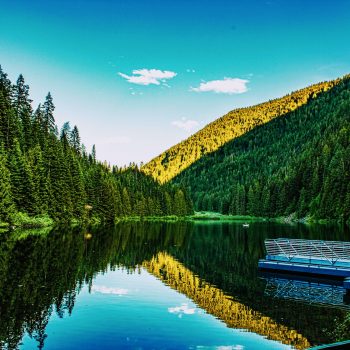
pixel 232 125
pixel 296 164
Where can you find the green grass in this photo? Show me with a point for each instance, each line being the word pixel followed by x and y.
pixel 197 216
pixel 25 221
pixel 207 215
pixel 165 218
pixel 3 225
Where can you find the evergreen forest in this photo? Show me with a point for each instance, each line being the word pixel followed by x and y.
pixel 296 165
pixel 47 173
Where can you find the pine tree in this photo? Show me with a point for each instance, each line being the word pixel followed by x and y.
pixel 48 118
pixel 168 207
pixel 126 202
pixel 75 140
pixel 21 180
pixel 76 186
pixel 65 135
pixel 93 154
pixel 6 202
pixel 179 203
pixel 108 204
pixel 10 127
pixel 36 165
pixel 38 127
pixel 60 205
pixel 23 108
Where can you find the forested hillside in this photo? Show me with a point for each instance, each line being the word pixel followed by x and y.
pixel 232 125
pixel 298 163
pixel 49 173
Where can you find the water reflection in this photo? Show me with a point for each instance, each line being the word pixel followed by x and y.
pixel 307 290
pixel 214 264
pixel 214 301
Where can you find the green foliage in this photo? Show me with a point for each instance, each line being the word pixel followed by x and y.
pixel 45 174
pixel 6 201
pixel 298 163
pixel 215 216
pixel 225 129
pixel 26 221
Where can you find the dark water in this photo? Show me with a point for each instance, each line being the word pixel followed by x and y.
pixel 162 286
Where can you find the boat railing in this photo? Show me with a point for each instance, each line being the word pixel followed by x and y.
pixel 334 253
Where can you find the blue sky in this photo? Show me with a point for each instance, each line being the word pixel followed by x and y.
pixel 139 76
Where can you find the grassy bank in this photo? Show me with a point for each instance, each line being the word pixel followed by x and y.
pixel 166 218
pixel 23 220
pixel 209 216
pixel 197 216
pixel 291 219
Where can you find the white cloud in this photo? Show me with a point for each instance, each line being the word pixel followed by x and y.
pixel 185 124
pixel 183 309
pixel 109 290
pixel 148 76
pixel 225 86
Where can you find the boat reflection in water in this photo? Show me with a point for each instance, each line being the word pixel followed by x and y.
pixel 307 289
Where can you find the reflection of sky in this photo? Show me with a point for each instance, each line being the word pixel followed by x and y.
pixel 108 290
pixel 129 311
pixel 182 309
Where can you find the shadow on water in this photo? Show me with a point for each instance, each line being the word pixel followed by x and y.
pixel 215 264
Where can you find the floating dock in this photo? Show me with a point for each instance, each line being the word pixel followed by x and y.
pixel 310 257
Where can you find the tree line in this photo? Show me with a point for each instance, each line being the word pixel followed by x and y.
pixel 47 171
pixel 296 165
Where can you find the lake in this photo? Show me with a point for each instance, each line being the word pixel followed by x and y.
pixel 162 286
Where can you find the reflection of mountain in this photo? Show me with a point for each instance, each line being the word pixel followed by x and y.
pixel 217 303
pixel 40 274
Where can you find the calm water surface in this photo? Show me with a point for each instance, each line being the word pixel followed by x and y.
pixel 162 286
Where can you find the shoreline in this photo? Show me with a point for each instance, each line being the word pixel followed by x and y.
pixel 24 221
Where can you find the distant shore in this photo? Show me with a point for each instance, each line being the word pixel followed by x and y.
pixel 23 221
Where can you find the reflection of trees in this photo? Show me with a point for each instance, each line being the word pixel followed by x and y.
pixel 41 274
pixel 217 303
pixel 226 256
